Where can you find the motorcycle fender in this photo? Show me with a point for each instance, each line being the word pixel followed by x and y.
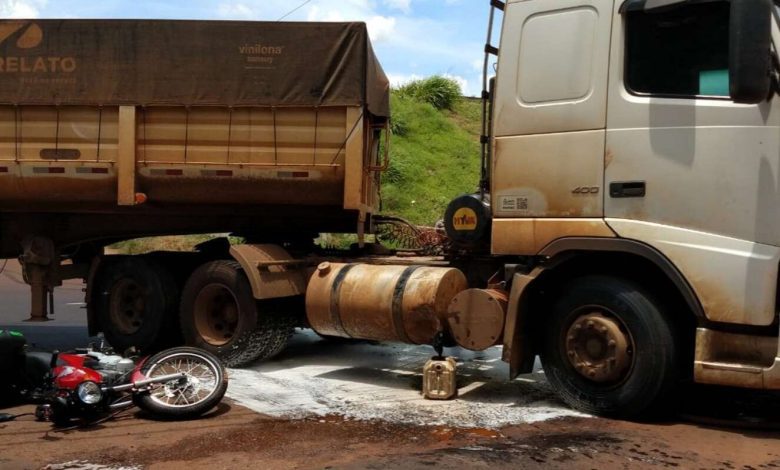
pixel 137 374
pixel 70 377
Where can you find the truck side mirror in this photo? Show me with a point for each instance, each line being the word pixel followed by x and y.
pixel 750 59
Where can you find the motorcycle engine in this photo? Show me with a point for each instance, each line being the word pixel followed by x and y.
pixel 113 368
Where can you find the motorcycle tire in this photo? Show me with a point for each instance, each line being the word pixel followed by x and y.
pixel 205 385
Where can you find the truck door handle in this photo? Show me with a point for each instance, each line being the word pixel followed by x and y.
pixel 620 189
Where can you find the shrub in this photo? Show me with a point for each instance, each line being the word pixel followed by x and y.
pixel 440 92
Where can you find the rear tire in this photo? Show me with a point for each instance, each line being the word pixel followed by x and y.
pixel 219 314
pixel 609 350
pixel 204 388
pixel 136 302
pixel 279 319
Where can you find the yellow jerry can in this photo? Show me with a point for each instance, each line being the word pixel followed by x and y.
pixel 439 379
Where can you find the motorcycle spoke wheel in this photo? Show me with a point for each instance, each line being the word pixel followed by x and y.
pixel 201 388
pixel 200 382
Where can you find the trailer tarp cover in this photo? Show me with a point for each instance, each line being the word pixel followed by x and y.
pixel 233 63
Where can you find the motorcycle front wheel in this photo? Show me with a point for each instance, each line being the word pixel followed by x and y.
pixel 202 388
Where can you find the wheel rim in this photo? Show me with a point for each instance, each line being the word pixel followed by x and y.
pixel 127 306
pixel 599 347
pixel 216 314
pixel 201 380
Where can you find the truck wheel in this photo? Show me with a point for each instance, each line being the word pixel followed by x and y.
pixel 268 341
pixel 219 314
pixel 136 303
pixel 609 350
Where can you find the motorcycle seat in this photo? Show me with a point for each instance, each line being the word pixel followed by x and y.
pixel 11 342
pixel 37 367
pixel 11 349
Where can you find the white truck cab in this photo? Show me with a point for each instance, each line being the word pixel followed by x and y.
pixel 635 144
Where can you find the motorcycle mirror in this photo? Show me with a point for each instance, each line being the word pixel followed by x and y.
pixel 55 355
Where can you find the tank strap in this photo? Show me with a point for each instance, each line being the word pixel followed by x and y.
pixel 398 297
pixel 335 307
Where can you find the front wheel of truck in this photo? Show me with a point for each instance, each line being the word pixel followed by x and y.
pixel 220 314
pixel 610 350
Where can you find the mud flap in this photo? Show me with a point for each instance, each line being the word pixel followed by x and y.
pixel 273 273
pixel 518 350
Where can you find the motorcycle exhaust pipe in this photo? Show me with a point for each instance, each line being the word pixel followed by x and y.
pixel 121 405
pixel 145 382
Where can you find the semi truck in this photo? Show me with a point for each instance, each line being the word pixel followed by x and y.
pixel 625 228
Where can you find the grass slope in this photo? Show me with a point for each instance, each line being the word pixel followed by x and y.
pixel 433 158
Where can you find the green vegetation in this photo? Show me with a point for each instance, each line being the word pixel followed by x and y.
pixel 434 157
pixel 173 243
pixel 440 92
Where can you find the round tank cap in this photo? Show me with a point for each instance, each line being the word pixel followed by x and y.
pixel 324 267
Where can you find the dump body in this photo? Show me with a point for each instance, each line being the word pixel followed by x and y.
pixel 185 126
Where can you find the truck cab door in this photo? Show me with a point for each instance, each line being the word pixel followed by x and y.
pixel 549 118
pixel 689 171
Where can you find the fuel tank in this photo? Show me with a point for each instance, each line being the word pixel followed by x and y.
pixel 383 303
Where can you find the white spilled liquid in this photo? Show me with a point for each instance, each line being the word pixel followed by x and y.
pixel 365 381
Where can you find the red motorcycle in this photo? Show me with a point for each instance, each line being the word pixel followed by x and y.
pixel 91 384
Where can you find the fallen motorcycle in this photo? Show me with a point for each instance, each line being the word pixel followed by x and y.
pixel 91 384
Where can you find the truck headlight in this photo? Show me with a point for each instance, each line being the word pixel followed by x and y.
pixel 89 393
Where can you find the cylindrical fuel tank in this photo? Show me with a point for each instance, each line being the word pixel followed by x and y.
pixel 382 303
pixel 476 318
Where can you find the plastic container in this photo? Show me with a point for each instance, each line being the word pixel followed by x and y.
pixel 440 379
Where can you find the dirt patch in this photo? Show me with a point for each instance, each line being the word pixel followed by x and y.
pixel 28 444
pixel 327 441
pixel 234 437
pixel 332 442
pixel 550 448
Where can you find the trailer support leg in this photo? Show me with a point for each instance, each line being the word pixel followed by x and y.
pixel 39 263
pixel 39 293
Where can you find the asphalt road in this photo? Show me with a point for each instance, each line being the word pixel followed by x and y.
pixel 67 330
